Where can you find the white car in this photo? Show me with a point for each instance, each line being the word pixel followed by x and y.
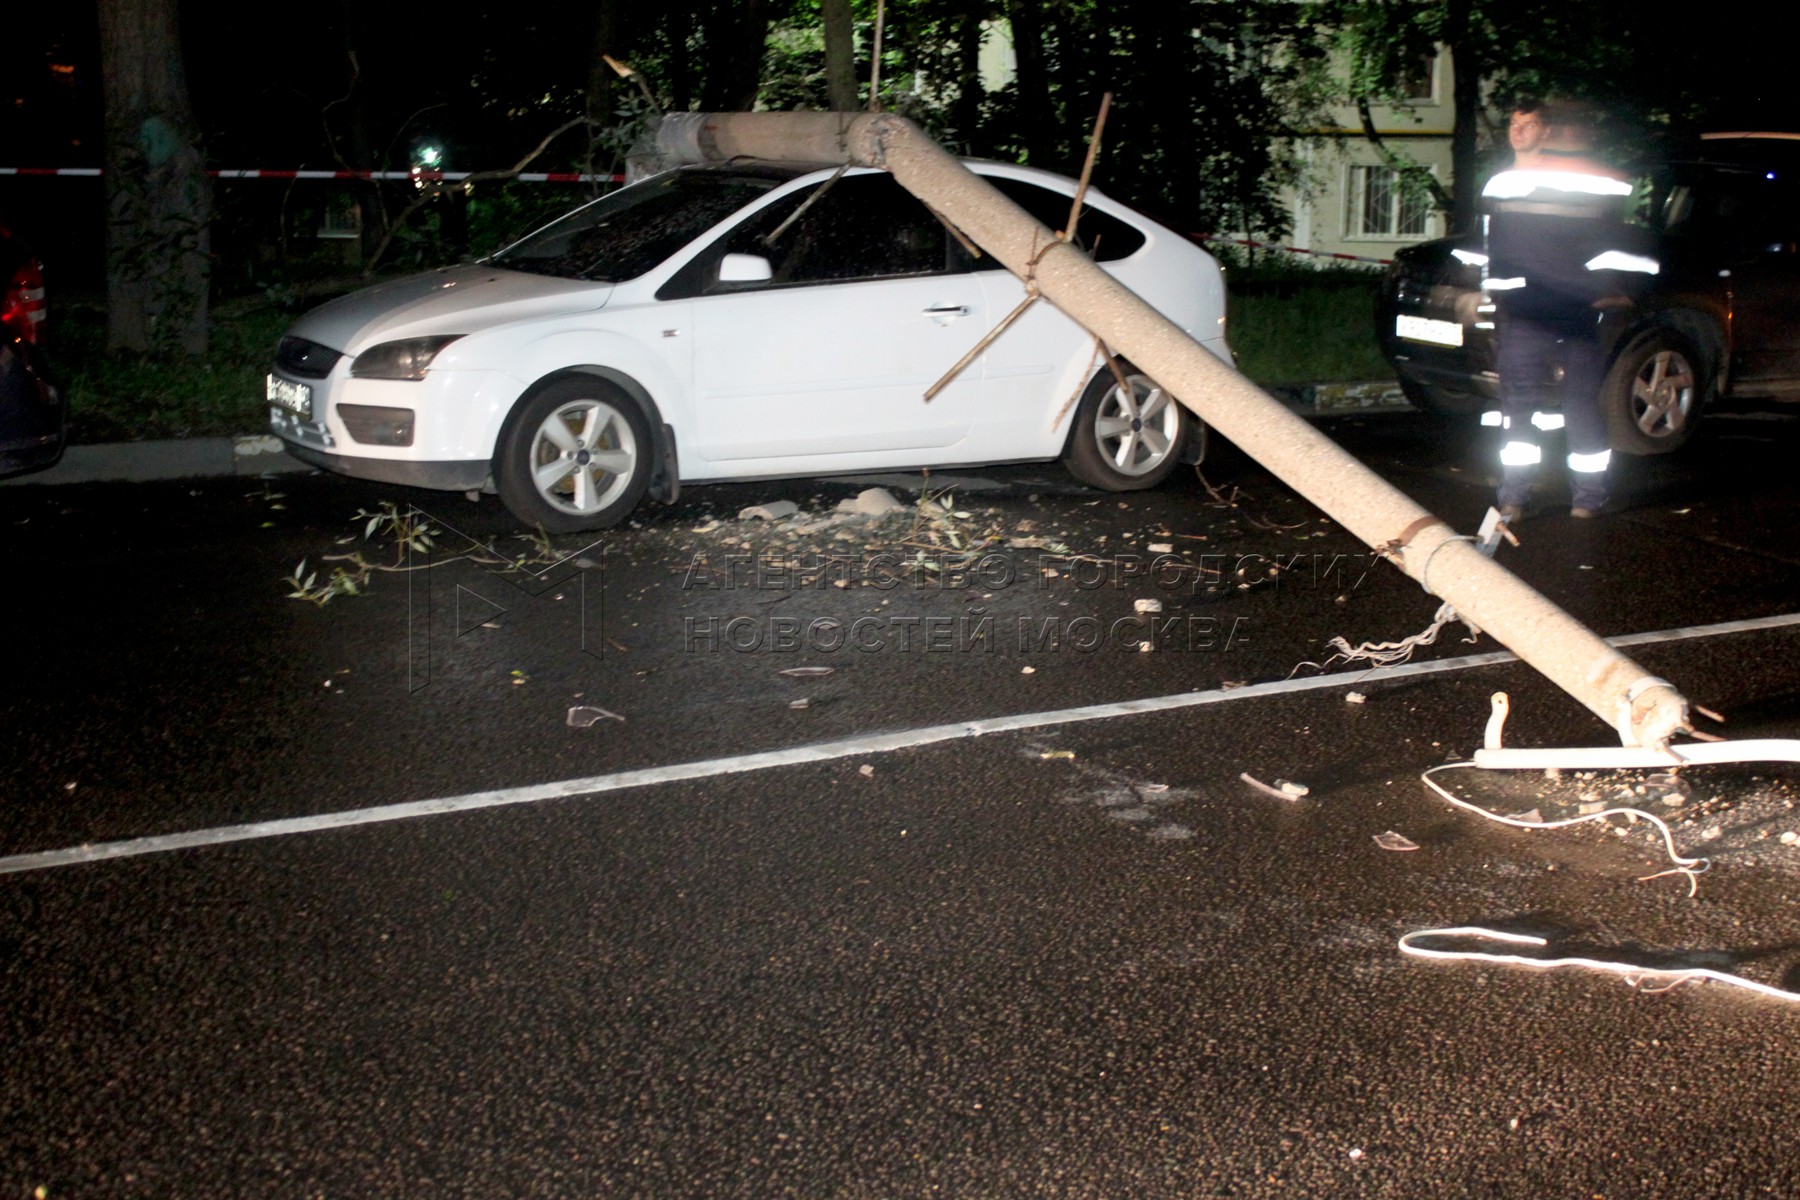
pixel 745 321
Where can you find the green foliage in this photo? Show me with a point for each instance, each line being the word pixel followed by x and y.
pixel 1295 324
pixel 405 530
pixel 127 397
pixel 1655 86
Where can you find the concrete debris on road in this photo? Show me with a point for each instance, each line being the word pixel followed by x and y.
pixel 873 502
pixel 1282 790
pixel 774 510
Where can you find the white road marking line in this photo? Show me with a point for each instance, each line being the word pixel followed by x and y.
pixel 817 752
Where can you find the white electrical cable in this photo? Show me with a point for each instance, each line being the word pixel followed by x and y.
pixel 1387 654
pixel 1690 867
pixel 1660 979
pixel 1591 758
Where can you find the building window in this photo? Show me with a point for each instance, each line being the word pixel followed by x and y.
pixel 1414 80
pixel 1379 204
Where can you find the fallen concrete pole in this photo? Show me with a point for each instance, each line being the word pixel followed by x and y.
pixel 1644 710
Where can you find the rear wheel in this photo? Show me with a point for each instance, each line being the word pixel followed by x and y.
pixel 1126 439
pixel 575 456
pixel 1653 394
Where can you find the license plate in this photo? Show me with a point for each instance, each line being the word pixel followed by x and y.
pixel 1424 329
pixel 295 397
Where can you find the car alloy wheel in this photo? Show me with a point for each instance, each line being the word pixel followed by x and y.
pixel 583 456
pixel 1126 439
pixel 1662 395
pixel 576 456
pixel 1654 394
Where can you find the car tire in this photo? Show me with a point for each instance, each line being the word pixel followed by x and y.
pixel 1126 442
pixel 1654 394
pixel 575 456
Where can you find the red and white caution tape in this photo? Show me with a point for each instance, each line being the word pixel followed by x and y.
pixel 1210 237
pixel 411 176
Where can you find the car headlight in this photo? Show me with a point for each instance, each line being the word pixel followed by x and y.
pixel 405 359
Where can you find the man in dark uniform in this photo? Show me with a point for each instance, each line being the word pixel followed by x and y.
pixel 1555 241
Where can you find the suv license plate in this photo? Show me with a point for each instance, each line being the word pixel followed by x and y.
pixel 295 397
pixel 1424 329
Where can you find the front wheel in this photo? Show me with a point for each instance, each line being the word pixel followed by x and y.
pixel 1126 439
pixel 576 456
pixel 1653 394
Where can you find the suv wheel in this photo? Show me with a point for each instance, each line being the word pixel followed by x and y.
pixel 1654 394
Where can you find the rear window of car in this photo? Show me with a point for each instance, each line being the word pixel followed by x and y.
pixel 621 236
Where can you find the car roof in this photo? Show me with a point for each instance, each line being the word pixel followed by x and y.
pixel 1749 149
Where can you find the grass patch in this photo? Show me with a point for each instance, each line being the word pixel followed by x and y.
pixel 1305 326
pixel 125 398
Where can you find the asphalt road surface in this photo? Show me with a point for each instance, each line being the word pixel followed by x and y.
pixel 542 878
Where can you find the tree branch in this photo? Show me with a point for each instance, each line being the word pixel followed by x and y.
pixel 432 191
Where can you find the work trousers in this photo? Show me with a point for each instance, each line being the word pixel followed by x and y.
pixel 1531 351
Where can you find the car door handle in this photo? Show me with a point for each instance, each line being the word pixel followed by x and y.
pixel 948 310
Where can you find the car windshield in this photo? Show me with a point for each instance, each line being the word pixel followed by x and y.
pixel 621 236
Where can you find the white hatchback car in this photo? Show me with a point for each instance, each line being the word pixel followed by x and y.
pixel 746 321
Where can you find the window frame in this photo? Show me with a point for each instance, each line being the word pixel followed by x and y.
pixel 1357 180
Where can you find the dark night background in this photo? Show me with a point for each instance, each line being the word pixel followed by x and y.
pixel 1202 88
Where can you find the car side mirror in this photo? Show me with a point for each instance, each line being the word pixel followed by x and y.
pixel 745 268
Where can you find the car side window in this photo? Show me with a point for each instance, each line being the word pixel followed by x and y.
pixel 1742 214
pixel 1106 237
pixel 860 227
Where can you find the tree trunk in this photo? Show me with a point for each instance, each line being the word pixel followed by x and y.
pixel 965 113
pixel 1465 162
pixel 601 77
pixel 1169 95
pixel 840 56
pixel 158 197
pixel 735 38
pixel 1037 120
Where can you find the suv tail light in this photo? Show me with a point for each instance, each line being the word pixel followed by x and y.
pixel 22 308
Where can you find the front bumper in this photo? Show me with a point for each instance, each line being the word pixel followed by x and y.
pixel 448 421
pixel 457 475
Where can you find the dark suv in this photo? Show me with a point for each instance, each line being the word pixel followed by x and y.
pixel 1719 319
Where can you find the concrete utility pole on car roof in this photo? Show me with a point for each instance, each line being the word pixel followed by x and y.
pixel 1642 708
